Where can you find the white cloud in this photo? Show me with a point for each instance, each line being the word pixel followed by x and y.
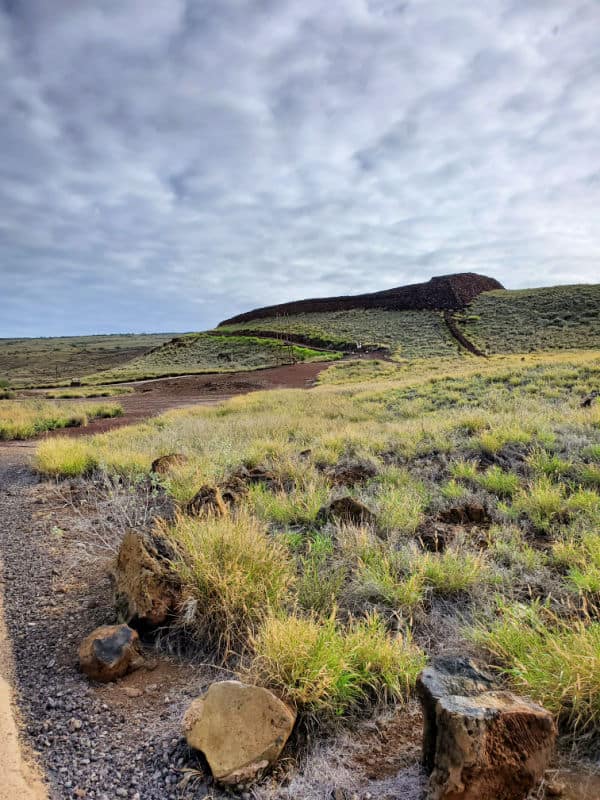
pixel 168 164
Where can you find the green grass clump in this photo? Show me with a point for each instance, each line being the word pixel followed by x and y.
pixel 579 553
pixel 322 668
pixel 381 577
pixel 24 419
pixel 232 574
pixel 401 502
pixel 88 391
pixel 453 571
pixel 499 482
pixel 542 501
pixel 554 661
pixel 65 457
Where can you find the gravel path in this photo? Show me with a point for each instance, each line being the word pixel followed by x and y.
pixel 103 742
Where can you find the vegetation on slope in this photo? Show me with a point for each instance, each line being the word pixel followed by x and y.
pixel 202 352
pixel 406 334
pixel 52 361
pixel 24 419
pixel 336 613
pixel 553 318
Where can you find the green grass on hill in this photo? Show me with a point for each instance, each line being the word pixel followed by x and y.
pixel 202 352
pixel 407 334
pixel 52 361
pixel 553 318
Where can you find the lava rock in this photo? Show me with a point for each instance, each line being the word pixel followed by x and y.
pixel 480 743
pixel 207 501
pixel 240 729
pixel 349 473
pixel 110 652
pixel 145 588
pixel 347 509
pixel 165 464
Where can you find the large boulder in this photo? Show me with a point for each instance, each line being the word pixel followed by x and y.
pixel 240 729
pixel 110 652
pixel 480 743
pixel 146 589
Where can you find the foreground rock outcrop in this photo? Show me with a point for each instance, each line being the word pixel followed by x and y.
pixel 240 729
pixel 146 589
pixel 480 743
pixel 110 652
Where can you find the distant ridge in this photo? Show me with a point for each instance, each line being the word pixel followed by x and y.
pixel 441 293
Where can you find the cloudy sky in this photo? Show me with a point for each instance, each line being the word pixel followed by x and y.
pixel 168 163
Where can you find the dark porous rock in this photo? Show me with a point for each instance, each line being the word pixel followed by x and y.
pixel 349 473
pixel 469 514
pixel 144 585
pixel 110 652
pixel 233 490
pixel 437 536
pixel 480 743
pixel 165 464
pixel 347 509
pixel 207 501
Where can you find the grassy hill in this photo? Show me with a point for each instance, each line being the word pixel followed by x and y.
pixel 496 322
pixel 204 352
pixel 552 318
pixel 54 360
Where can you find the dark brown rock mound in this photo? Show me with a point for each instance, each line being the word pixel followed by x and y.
pixel 443 292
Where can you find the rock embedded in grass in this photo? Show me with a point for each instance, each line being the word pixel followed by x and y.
pixel 349 473
pixel 480 743
pixel 207 500
pixel 110 652
pixel 347 509
pixel 163 465
pixel 145 588
pixel 240 729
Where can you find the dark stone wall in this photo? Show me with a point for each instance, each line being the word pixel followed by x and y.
pixel 444 292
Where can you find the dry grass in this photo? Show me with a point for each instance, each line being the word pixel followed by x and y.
pixel 24 419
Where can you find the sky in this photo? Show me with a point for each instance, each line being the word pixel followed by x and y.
pixel 165 164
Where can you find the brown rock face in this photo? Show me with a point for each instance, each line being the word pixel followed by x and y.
pixel 144 586
pixel 165 464
pixel 110 652
pixel 240 729
pixel 479 743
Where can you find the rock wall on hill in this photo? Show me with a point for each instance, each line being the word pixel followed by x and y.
pixel 440 293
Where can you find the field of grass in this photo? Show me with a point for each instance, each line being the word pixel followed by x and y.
pixel 553 318
pixel 72 393
pixel 336 615
pixel 24 419
pixel 52 361
pixel 406 334
pixel 201 352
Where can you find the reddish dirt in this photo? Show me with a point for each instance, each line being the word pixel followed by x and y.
pixel 392 745
pixel 153 397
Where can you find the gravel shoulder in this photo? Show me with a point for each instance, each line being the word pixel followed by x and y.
pixel 19 778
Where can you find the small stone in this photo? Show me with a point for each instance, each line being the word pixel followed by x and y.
pixel 75 724
pixel 109 652
pixel 132 691
pixel 555 789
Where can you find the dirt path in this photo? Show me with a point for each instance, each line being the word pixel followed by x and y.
pixel 155 396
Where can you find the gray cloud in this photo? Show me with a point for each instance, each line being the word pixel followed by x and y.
pixel 166 164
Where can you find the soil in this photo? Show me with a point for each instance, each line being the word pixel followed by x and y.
pixel 155 396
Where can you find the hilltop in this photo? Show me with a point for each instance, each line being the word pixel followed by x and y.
pixel 443 292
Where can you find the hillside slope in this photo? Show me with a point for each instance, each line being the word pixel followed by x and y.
pixel 529 320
